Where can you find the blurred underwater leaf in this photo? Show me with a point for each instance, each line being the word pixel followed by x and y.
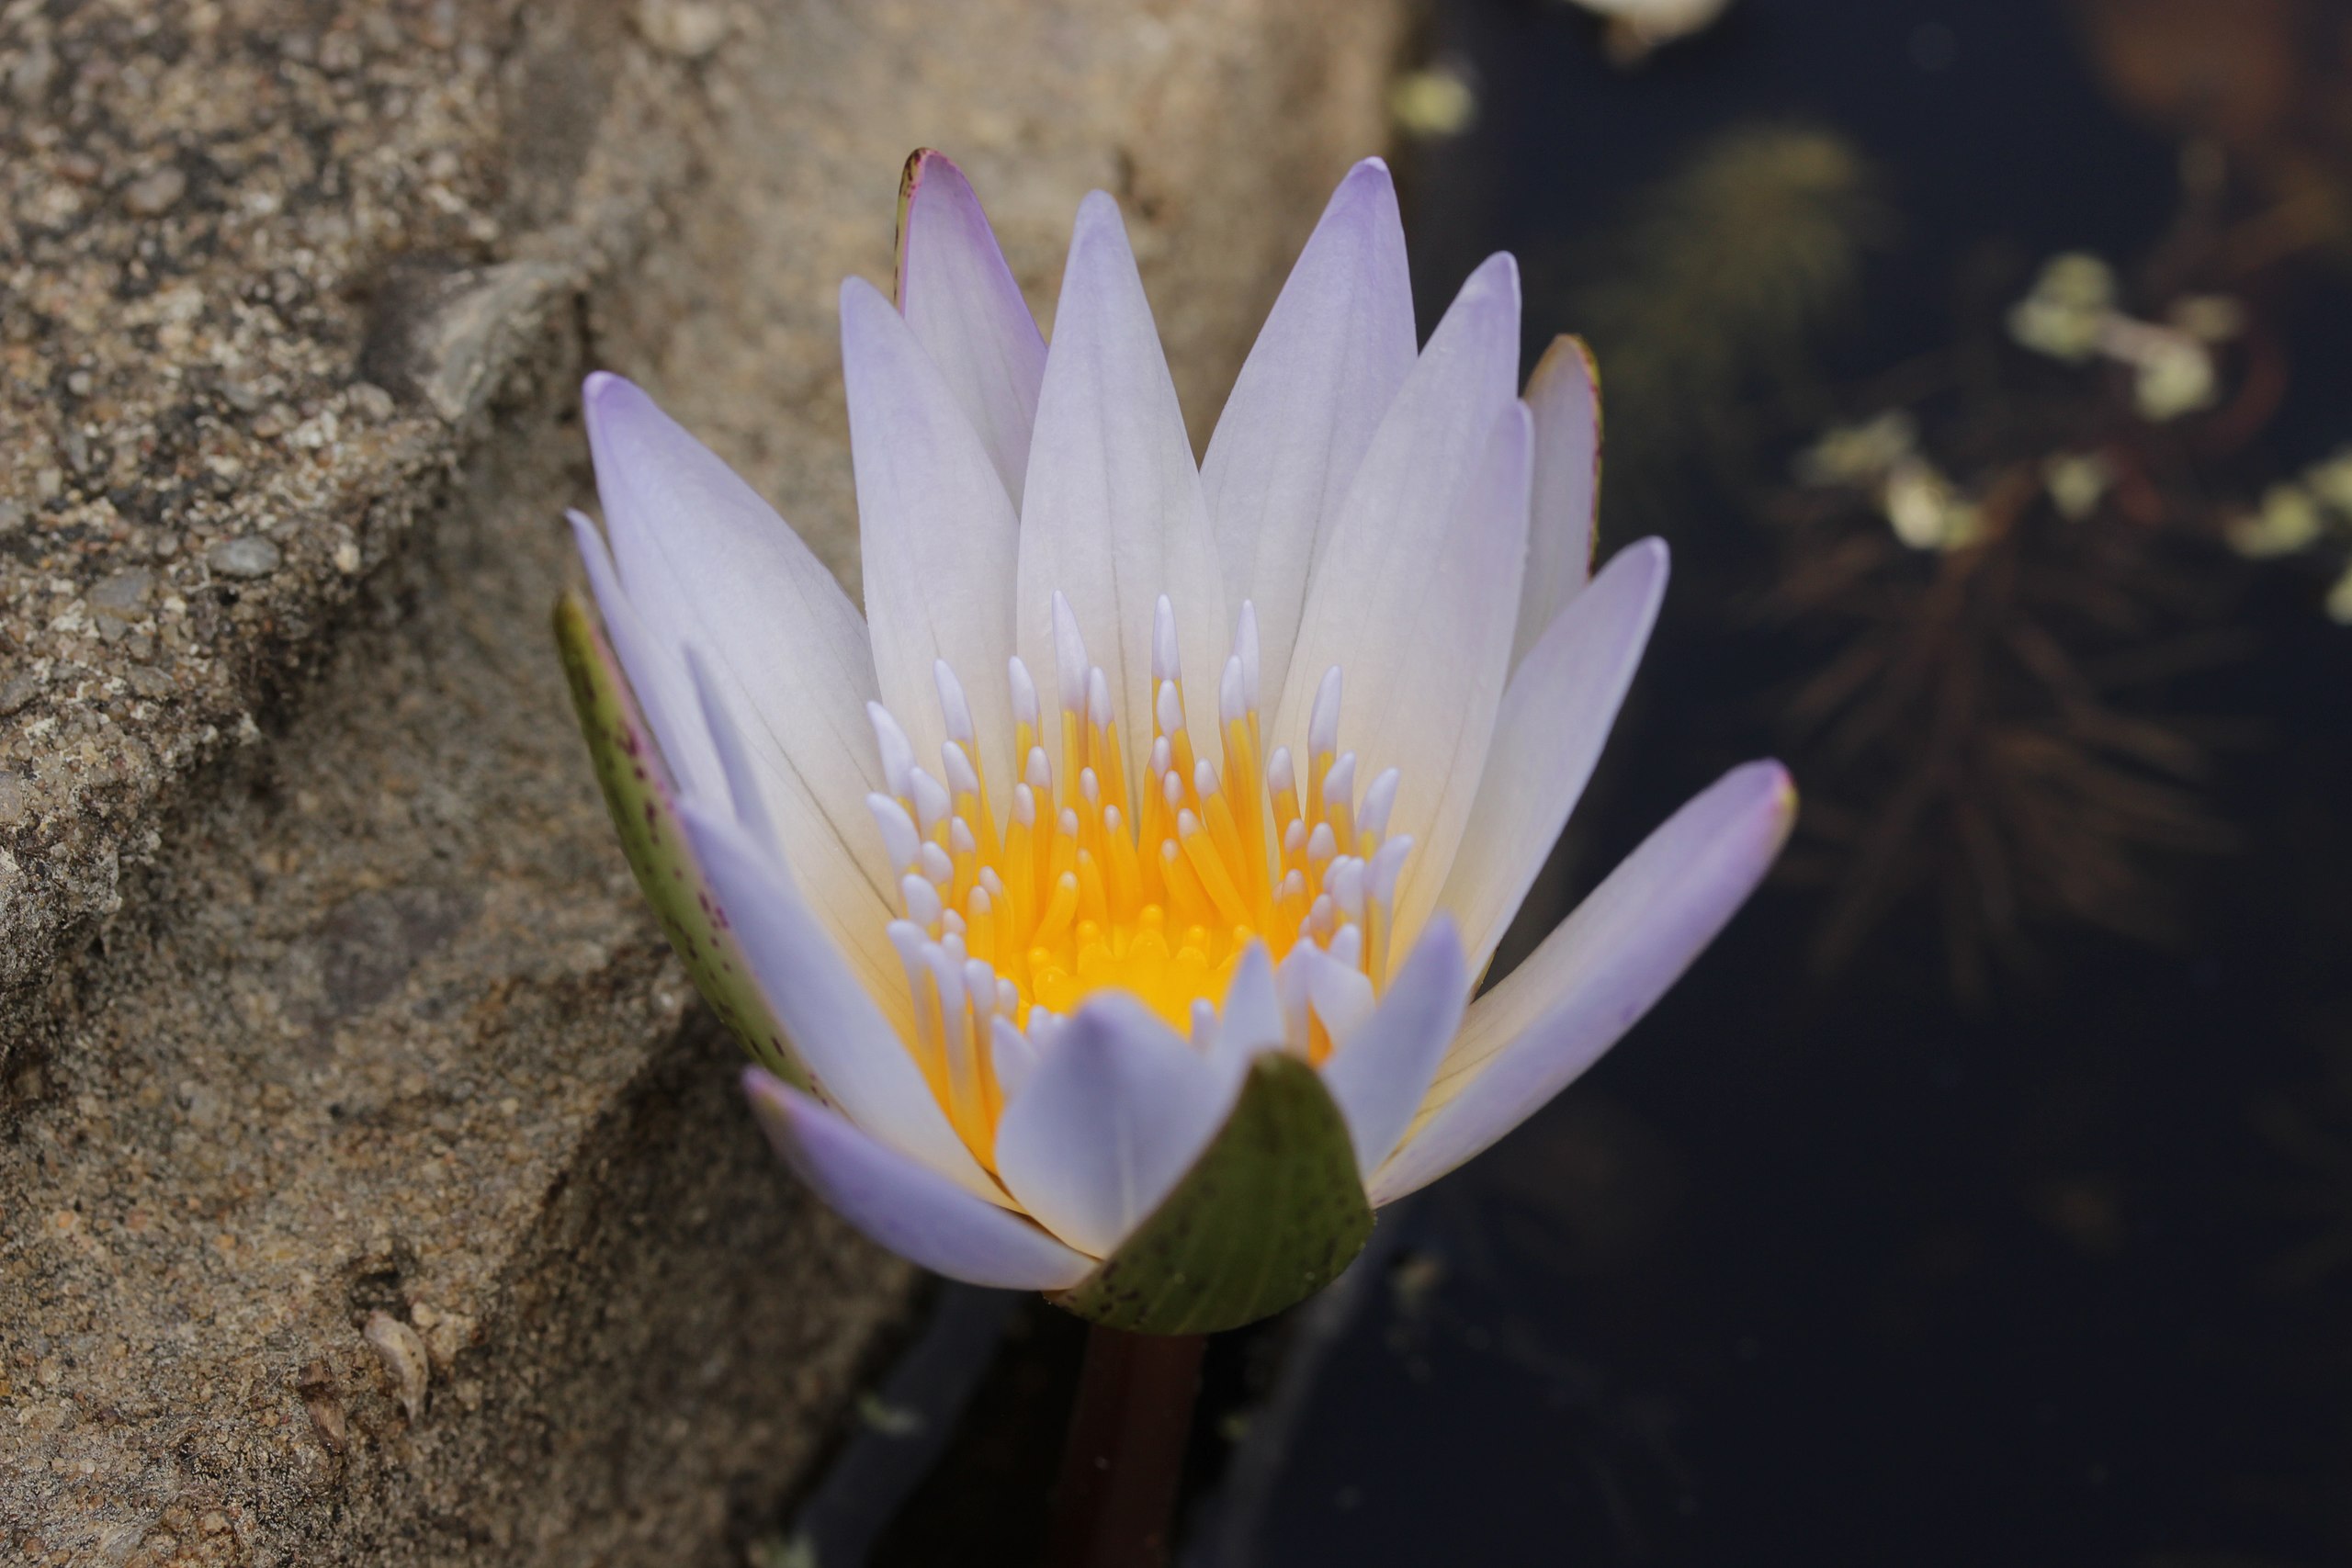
pixel 1709 293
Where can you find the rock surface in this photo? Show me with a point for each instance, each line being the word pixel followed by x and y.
pixel 370 1186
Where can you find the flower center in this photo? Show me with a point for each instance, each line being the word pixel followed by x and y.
pixel 1017 904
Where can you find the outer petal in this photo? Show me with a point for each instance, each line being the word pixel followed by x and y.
pixel 1565 394
pixel 1109 1122
pixel 905 1206
pixel 1428 548
pixel 961 301
pixel 1595 976
pixel 1554 719
pixel 1112 516
pixel 643 800
pixel 859 1063
pixel 937 534
pixel 657 675
pixel 1379 1074
pixel 704 559
pixel 1327 365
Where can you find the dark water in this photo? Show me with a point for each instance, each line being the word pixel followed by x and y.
pixel 2028 1247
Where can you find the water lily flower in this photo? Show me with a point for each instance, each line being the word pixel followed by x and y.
pixel 1104 904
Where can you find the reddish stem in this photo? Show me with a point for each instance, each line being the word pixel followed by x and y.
pixel 1115 1504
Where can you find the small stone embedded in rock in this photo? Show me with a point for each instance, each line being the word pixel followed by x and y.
pixel 688 29
pixel 14 799
pixel 370 401
pixel 33 73
pixel 16 690
pixel 12 517
pixel 247 557
pixel 401 1349
pixel 123 595
pixel 153 195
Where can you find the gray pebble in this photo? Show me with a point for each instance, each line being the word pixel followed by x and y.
pixel 153 195
pixel 29 81
pixel 124 591
pixel 16 690
pixel 248 557
pixel 12 517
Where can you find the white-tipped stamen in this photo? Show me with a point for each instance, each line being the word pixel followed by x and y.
pixel 1170 708
pixel 1099 711
pixel 1323 720
pixel 898 751
pixel 1165 664
pixel 900 839
pixel 952 706
pixel 1024 693
pixel 963 778
pixel 932 803
pixel 922 904
pixel 1379 799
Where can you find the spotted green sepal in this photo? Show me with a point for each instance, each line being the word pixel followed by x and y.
pixel 637 791
pixel 1268 1217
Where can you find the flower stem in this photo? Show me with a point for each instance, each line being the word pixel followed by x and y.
pixel 1115 1504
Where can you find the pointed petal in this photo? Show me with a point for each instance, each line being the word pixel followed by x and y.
pixel 657 676
pixel 1325 365
pixel 1379 1075
pixel 1109 1121
pixel 854 921
pixel 1112 516
pixel 1251 1017
pixel 703 558
pixel 1270 1214
pixel 906 1206
pixel 960 301
pixel 857 1061
pixel 1413 595
pixel 643 800
pixel 936 532
pixel 1595 976
pixel 1555 718
pixel 1565 396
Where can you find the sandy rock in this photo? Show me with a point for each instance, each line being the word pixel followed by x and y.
pixel 325 1001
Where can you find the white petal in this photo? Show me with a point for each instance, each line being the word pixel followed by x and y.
pixel 936 532
pixel 1379 1075
pixel 1413 595
pixel 1565 396
pixel 1112 516
pixel 1251 1017
pixel 961 301
pixel 1327 365
pixel 657 676
pixel 905 1206
pixel 858 1061
pixel 1595 976
pixel 854 921
pixel 1555 718
pixel 704 559
pixel 1109 1121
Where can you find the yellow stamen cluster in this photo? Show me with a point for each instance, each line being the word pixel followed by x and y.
pixel 1085 883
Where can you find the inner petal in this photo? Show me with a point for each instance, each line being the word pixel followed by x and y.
pixel 1021 897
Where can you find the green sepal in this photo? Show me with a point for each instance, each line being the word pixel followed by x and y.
pixel 1266 1216
pixel 638 794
